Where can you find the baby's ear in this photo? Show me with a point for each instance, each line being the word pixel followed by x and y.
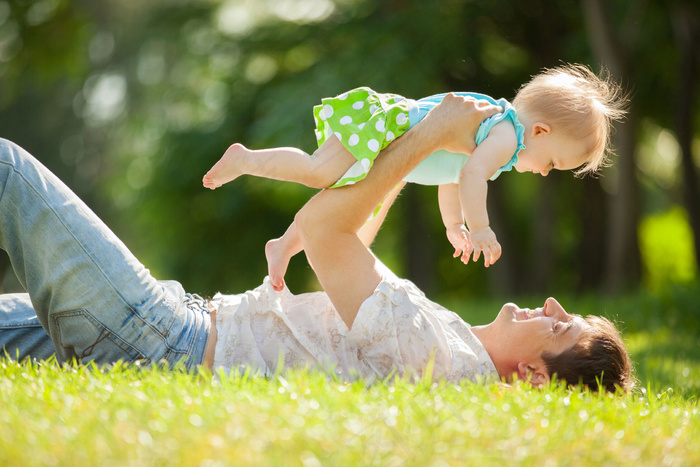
pixel 535 374
pixel 540 128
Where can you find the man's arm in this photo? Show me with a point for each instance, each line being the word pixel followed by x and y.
pixel 369 231
pixel 329 222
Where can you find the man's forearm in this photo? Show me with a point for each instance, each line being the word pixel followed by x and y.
pixel 357 201
pixel 369 231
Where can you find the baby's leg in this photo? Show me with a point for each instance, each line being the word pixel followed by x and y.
pixel 318 170
pixel 278 253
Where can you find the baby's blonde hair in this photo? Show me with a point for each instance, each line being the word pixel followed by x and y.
pixel 580 103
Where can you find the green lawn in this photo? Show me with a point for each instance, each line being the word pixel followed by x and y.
pixel 132 416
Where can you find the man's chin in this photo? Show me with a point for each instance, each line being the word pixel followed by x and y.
pixel 509 311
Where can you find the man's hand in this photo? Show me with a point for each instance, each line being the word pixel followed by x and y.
pixel 459 238
pixel 484 241
pixel 456 120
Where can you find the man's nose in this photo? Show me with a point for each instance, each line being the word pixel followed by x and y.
pixel 553 308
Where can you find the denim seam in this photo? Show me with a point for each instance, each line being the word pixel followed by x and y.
pixel 84 312
pixel 19 326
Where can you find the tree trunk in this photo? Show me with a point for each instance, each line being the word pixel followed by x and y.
pixel 622 262
pixel 504 276
pixel 543 255
pixel 685 30
pixel 421 261
pixel 593 227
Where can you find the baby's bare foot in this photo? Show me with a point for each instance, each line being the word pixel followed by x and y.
pixel 227 169
pixel 277 262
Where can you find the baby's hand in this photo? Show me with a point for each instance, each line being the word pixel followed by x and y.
pixel 459 238
pixel 484 241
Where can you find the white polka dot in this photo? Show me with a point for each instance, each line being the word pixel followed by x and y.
pixel 345 120
pixel 361 125
pixel 380 126
pixel 358 105
pixel 315 120
pixel 365 164
pixel 373 145
pixel 318 134
pixel 327 111
pixel 373 108
pixel 398 99
pixel 350 182
pixel 390 136
pixel 401 119
pixel 340 137
pixel 343 96
pixel 353 140
pixel 355 171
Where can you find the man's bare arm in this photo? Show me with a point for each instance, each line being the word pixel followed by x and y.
pixel 329 222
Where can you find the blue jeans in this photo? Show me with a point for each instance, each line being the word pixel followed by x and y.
pixel 94 299
pixel 21 333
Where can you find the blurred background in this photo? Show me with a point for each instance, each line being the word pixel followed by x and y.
pixel 131 102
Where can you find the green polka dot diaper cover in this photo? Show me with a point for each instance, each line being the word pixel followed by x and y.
pixel 365 122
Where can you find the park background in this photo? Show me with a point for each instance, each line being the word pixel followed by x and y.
pixel 131 102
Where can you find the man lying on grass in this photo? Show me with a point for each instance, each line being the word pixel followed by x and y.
pixel 97 302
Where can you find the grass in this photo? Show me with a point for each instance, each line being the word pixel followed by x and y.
pixel 126 415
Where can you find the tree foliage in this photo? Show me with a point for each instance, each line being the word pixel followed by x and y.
pixel 131 102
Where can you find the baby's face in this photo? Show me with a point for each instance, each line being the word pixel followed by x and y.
pixel 545 151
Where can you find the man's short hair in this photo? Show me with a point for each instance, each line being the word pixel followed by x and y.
pixel 599 359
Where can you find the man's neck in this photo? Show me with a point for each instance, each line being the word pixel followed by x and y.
pixel 492 343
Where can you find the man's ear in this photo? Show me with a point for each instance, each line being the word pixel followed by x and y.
pixel 539 129
pixel 536 374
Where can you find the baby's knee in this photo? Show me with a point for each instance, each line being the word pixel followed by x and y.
pixel 321 174
pixel 319 179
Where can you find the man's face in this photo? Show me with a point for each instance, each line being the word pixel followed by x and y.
pixel 527 333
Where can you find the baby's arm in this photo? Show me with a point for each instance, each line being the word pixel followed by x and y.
pixel 494 152
pixel 451 211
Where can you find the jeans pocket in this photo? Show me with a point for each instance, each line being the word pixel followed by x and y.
pixel 79 335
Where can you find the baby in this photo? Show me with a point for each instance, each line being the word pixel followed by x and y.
pixel 560 120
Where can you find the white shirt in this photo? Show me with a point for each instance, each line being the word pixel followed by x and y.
pixel 397 331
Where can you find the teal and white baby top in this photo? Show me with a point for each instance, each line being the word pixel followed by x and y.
pixel 366 122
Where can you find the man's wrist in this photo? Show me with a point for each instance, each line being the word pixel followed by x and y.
pixel 433 130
